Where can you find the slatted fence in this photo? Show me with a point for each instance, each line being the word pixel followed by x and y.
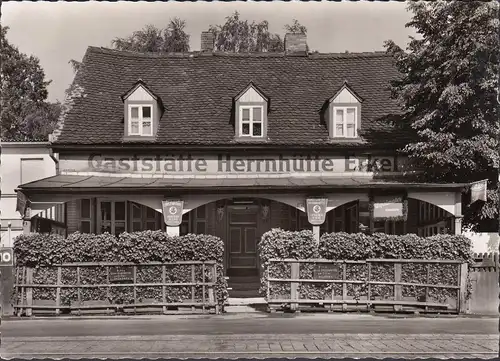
pixel 153 289
pixel 355 285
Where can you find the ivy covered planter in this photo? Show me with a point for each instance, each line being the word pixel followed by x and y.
pixel 42 252
pixel 280 244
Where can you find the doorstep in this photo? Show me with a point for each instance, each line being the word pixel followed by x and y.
pixel 246 301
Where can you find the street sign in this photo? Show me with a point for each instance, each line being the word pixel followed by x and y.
pixel 172 212
pixel 316 210
pixel 6 257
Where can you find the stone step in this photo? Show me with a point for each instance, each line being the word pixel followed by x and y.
pixel 243 294
pixel 244 286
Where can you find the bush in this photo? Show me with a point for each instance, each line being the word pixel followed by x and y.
pixel 359 247
pixel 39 251
pixel 278 243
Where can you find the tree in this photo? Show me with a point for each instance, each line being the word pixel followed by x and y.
pixel 240 36
pixel 448 90
pixel 152 39
pixel 25 114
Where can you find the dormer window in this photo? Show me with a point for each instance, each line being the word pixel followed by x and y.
pixel 140 120
pixel 143 110
pixel 251 107
pixel 251 119
pixel 344 120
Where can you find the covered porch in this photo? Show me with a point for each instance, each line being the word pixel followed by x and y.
pixel 240 210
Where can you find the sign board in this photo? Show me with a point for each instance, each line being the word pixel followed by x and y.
pixel 121 273
pixel 316 210
pixel 327 271
pixel 387 207
pixel 226 164
pixel 478 191
pixel 6 257
pixel 172 212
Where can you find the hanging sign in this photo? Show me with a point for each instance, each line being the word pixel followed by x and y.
pixel 478 191
pixel 22 203
pixel 387 207
pixel 172 212
pixel 316 210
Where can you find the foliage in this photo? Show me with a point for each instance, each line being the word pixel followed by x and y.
pixel 42 251
pixel 359 247
pixel 448 91
pixel 25 114
pixel 278 243
pixel 241 36
pixel 172 39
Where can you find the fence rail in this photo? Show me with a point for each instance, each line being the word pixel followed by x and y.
pixel 25 287
pixel 294 300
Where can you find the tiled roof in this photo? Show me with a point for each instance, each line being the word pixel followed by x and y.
pixel 197 91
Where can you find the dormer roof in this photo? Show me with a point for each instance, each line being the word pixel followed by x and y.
pixel 252 86
pixel 138 84
pixel 345 87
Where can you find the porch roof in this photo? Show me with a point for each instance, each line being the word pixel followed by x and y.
pixel 95 183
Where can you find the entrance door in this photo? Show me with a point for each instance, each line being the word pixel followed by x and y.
pixel 243 237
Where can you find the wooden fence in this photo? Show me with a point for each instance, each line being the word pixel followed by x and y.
pixel 291 297
pixel 484 276
pixel 198 276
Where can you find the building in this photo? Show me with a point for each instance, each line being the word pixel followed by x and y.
pixel 24 162
pixel 238 144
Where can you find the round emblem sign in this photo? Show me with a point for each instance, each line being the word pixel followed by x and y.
pixel 317 208
pixel 172 210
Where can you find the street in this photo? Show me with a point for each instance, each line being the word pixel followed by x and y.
pixel 252 335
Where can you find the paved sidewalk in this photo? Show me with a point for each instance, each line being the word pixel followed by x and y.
pixel 255 346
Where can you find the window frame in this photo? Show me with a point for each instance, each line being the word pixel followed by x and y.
pixel 345 108
pixel 251 121
pixel 113 221
pixel 140 119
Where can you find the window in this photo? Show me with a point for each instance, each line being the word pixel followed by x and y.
pixel 251 121
pixel 86 215
pixel 345 122
pixel 143 218
pixel 112 217
pixel 140 120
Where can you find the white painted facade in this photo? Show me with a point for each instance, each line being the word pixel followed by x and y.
pixel 21 162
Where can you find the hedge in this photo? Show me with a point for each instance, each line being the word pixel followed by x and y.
pixel 278 243
pixel 354 247
pixel 41 250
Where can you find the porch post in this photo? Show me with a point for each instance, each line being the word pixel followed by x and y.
pixel 27 221
pixel 173 231
pixel 458 213
pixel 316 233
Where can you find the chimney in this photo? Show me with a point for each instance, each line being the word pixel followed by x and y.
pixel 207 41
pixel 296 43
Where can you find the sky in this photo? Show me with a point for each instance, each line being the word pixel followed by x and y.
pixel 57 32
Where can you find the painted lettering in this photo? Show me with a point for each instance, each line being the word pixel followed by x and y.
pixel 327 165
pixel 239 165
pixel 147 164
pixel 200 165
